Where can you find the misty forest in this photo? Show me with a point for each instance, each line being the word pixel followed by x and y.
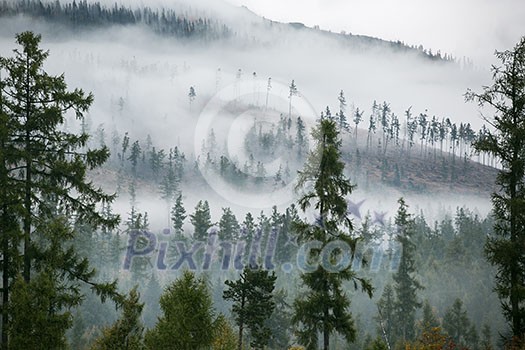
pixel 199 177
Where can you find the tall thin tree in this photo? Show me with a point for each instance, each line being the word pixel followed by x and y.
pixel 325 309
pixel 506 97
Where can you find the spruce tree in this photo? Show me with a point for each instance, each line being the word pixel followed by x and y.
pixel 201 220
pixel 228 226
pixel 178 215
pixel 253 304
pixel 506 142
pixel 342 122
pixel 127 332
pixel 187 316
pixel 428 319
pixel 324 308
pixel 456 322
pixel 293 92
pixel 44 168
pixel 134 156
pixel 406 285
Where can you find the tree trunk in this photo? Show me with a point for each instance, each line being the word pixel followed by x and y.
pixel 514 269
pixel 5 281
pixel 326 332
pixel 27 199
pixel 241 324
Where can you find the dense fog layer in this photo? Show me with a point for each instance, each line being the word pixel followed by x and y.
pixel 140 82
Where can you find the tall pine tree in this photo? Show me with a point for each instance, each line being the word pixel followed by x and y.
pixel 44 168
pixel 324 308
pixel 506 97
pixel 406 285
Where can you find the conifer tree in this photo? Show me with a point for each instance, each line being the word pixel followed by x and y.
pixel 201 220
pixel 324 308
pixel 406 285
pixel 429 319
pixel 456 322
pixel 342 121
pixel 506 142
pixel 253 304
pixel 178 215
pixel 228 226
pixel 191 95
pixel 127 332
pixel 293 91
pixel 301 138
pixel 187 316
pixel 44 168
pixel 358 117
pixel 134 156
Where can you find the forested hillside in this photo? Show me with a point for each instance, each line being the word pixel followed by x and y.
pixel 186 183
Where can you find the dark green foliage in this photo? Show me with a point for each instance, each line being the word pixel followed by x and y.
pixel 429 319
pixel 228 226
pixel 377 344
pixel 280 322
pixel 152 292
pixel 506 142
pixel 169 185
pixel 37 318
pixel 301 139
pixel 178 215
pixel 201 220
pixel 84 15
pixel 456 323
pixel 127 332
pixel 406 285
pixel 134 156
pixel 187 316
pixel 253 304
pixel 45 168
pixel 324 308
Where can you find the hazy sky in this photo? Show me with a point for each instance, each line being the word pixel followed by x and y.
pixel 474 28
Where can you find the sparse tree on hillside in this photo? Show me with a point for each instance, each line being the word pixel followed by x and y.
pixel 268 88
pixel 134 156
pixel 358 117
pixel 301 138
pixel 342 122
pixel 191 95
pixel 293 92
pixel 125 145
pixel 372 125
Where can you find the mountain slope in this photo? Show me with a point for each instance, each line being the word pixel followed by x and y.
pixel 185 22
